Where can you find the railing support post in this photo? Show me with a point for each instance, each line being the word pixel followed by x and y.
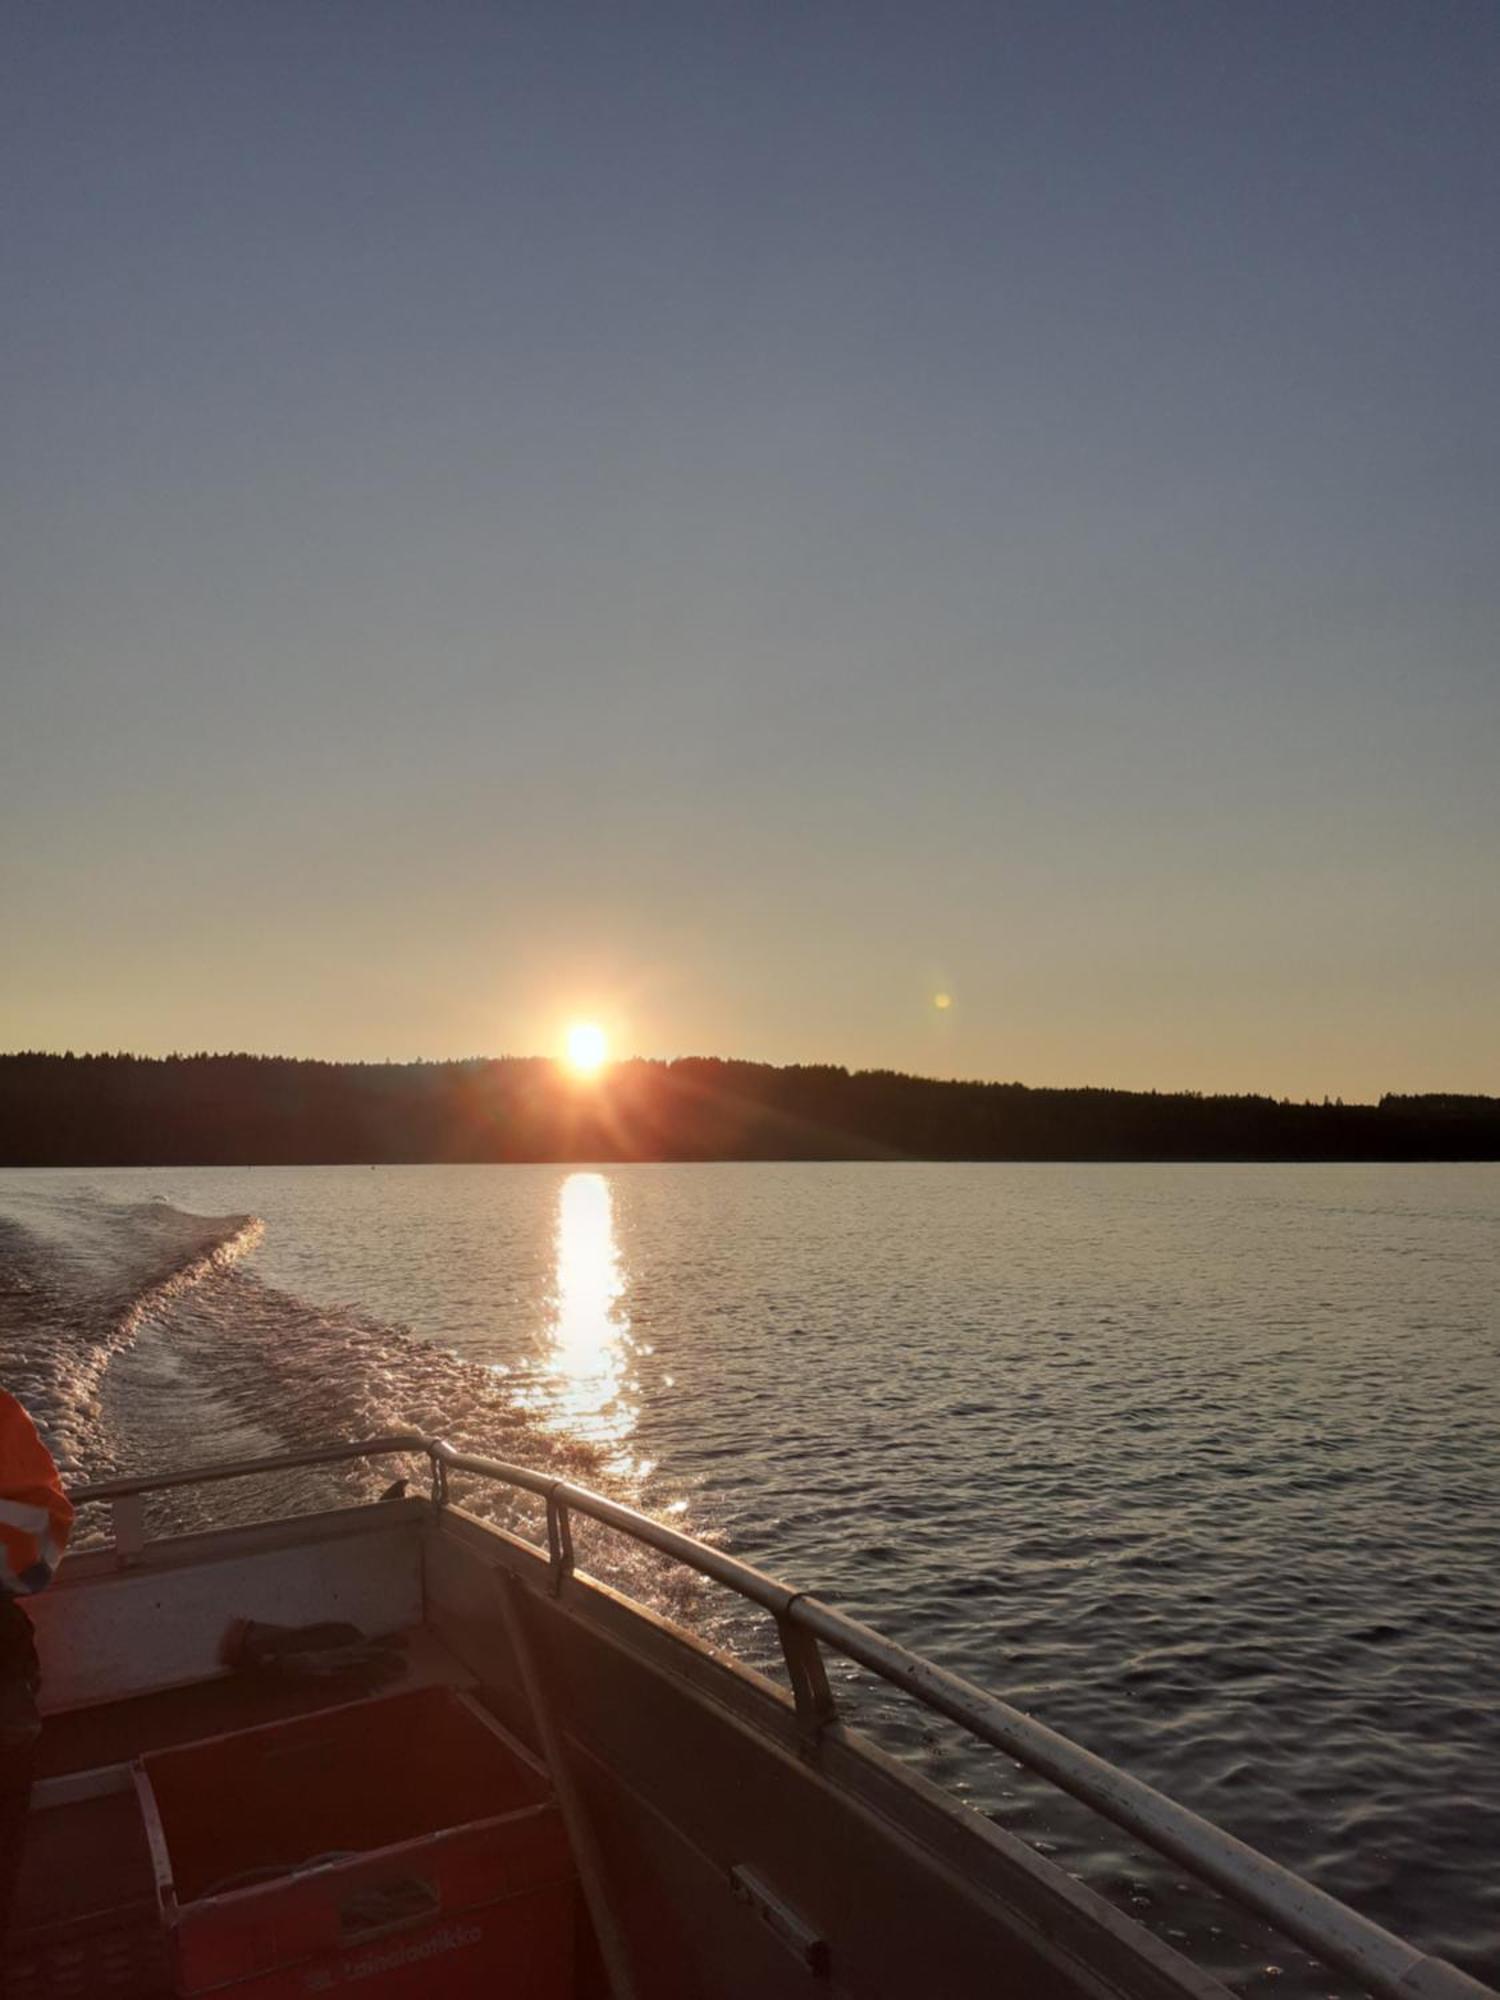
pixel 816 1707
pixel 559 1543
pixel 127 1520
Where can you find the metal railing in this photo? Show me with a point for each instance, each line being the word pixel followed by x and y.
pixel 1337 1935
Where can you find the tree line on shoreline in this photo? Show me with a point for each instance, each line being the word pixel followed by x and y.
pixel 241 1110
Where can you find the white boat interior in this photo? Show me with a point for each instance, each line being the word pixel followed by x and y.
pixel 636 1812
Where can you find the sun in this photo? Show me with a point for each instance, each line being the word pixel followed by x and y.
pixel 588 1048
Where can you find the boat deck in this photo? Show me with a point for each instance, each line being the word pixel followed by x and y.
pixel 85 1918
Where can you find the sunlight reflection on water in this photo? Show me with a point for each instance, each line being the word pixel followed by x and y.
pixel 587 1370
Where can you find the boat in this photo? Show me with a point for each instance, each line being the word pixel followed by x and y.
pixel 547 1788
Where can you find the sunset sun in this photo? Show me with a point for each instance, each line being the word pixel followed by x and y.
pixel 587 1048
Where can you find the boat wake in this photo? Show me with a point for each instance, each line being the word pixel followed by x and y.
pixel 78 1277
pixel 139 1340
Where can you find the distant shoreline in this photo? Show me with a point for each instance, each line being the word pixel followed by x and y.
pixel 236 1111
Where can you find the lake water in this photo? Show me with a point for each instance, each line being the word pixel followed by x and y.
pixel 1199 1464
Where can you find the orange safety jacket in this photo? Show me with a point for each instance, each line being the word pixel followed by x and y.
pixel 35 1513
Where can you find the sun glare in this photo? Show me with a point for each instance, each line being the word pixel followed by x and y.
pixel 587 1048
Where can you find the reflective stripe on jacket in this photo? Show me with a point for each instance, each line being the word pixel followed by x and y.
pixel 35 1513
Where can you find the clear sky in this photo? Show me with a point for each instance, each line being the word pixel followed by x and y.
pixel 731 520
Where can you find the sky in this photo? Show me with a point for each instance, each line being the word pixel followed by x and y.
pixel 732 521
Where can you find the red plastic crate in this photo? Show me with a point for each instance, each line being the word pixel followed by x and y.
pixel 389 1848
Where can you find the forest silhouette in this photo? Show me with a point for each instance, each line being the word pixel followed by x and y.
pixel 212 1110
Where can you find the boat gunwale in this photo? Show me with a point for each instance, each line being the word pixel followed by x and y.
pixel 1339 1936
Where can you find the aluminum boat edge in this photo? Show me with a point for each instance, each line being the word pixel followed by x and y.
pixel 725 1838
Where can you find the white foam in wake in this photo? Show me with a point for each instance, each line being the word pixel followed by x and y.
pixel 77 1274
